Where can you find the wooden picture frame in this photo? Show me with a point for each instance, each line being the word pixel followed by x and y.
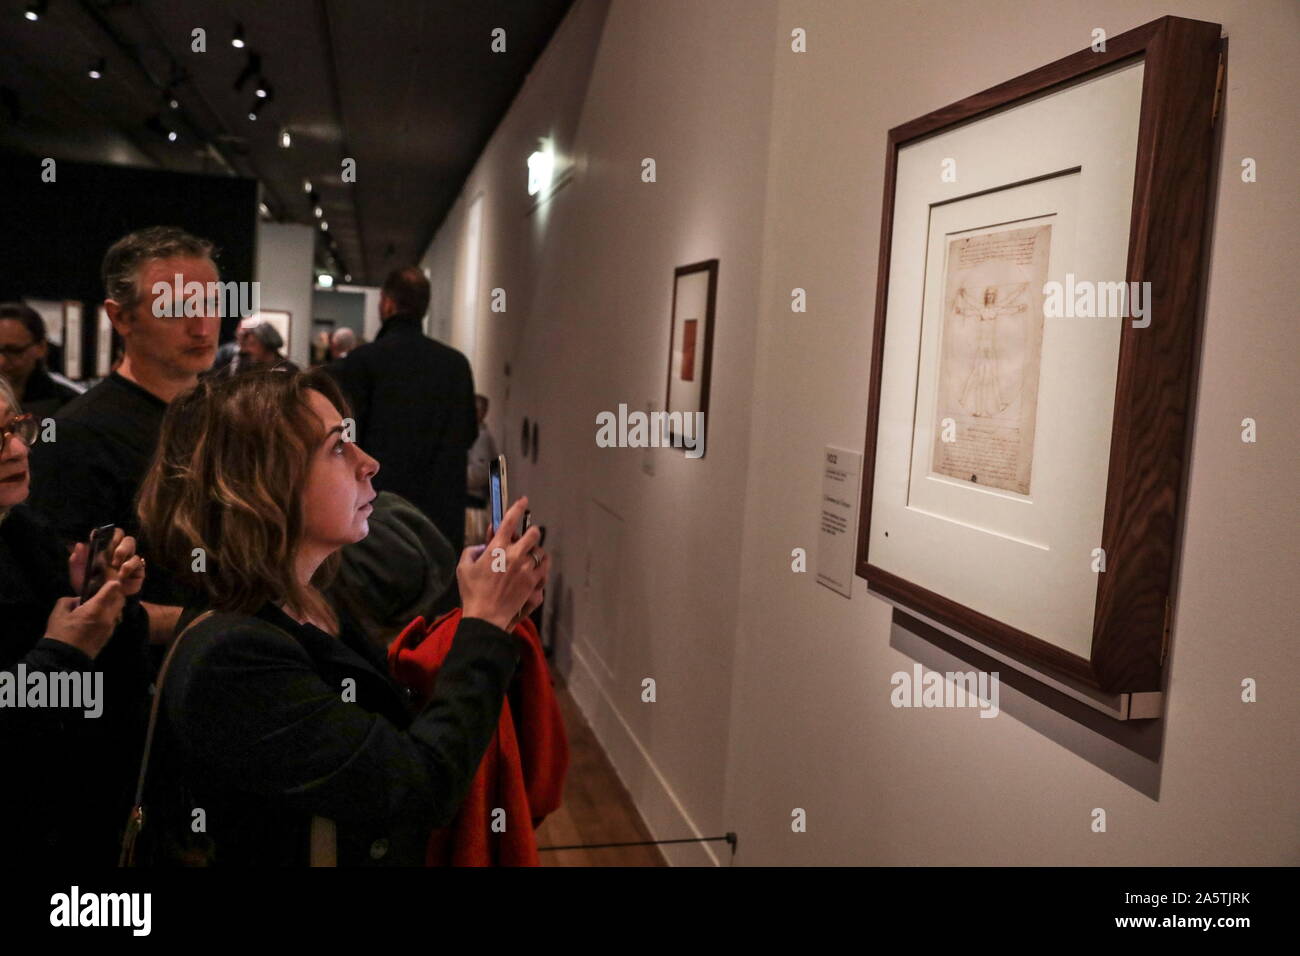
pixel 690 348
pixel 1181 63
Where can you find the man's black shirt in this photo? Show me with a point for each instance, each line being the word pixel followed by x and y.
pixel 89 475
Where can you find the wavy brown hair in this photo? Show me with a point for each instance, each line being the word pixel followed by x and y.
pixel 228 477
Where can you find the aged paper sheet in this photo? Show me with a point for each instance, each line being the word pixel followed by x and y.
pixel 990 352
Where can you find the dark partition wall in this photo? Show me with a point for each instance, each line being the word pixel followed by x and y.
pixel 54 234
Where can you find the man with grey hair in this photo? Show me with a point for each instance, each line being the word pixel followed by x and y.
pixel 104 440
pixel 342 342
pixel 259 347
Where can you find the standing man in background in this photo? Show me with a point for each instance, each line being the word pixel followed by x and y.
pixel 413 401
pixel 342 342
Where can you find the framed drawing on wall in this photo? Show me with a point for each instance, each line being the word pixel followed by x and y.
pixel 103 343
pixel 1036 309
pixel 690 344
pixel 72 339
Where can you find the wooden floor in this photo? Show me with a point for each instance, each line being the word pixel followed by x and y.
pixel 596 807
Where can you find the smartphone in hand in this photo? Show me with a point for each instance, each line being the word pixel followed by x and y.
pixel 497 490
pixel 96 561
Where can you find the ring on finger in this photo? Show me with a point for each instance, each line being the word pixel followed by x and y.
pixel 537 559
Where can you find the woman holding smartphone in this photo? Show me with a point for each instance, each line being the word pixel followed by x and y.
pixel 279 727
pixel 68 775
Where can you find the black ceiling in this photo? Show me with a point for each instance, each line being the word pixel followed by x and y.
pixel 410 89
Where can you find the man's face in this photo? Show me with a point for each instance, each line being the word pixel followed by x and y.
pixel 251 347
pixel 176 347
pixel 19 353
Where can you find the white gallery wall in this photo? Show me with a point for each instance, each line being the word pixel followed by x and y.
pixel 284 269
pixel 772 692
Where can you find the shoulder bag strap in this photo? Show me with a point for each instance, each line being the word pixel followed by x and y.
pixel 136 821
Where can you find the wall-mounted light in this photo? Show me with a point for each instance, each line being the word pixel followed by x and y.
pixel 325 280
pixel 541 168
pixel 264 209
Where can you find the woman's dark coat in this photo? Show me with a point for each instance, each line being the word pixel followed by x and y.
pixel 266 723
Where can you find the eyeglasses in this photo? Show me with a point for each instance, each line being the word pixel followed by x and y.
pixel 13 351
pixel 24 426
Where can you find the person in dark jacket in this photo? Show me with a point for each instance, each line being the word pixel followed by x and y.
pixel 275 710
pixel 23 351
pixel 68 769
pixel 413 400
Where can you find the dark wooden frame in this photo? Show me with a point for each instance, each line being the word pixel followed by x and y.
pixel 711 267
pixel 1180 85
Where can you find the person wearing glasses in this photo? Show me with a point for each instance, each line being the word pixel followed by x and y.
pixel 104 440
pixel 23 351
pixel 67 775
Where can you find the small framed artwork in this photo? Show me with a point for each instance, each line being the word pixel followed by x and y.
pixel 103 343
pixel 72 339
pixel 1036 311
pixel 690 348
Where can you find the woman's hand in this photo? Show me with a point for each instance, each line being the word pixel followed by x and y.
pixel 498 596
pixel 88 626
pixel 122 564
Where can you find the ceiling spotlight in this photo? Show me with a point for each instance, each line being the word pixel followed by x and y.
pixel 325 280
pixel 264 209
pixel 306 185
pixel 36 10
pixel 319 212
pixel 324 226
pixel 255 109
pixel 97 69
pixel 237 41
pixel 348 277
pixel 285 139
pixel 263 88
pixel 155 124
pixel 172 102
